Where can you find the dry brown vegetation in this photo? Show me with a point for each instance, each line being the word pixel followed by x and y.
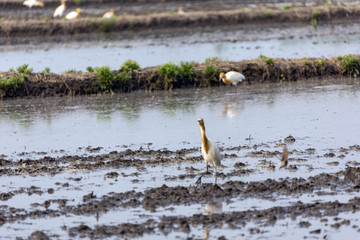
pixel 10 29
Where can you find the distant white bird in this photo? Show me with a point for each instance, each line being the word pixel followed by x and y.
pixel 180 11
pixel 59 11
pixel 33 3
pixel 284 157
pixel 232 77
pixel 109 14
pixel 210 151
pixel 73 14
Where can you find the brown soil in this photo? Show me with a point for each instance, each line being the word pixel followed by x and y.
pixel 148 79
pixel 14 31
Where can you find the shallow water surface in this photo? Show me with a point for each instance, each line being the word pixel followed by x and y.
pixel 312 112
pixel 322 115
pixel 236 44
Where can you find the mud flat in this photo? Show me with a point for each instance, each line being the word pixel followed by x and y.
pixel 312 215
pixel 201 75
pixel 19 31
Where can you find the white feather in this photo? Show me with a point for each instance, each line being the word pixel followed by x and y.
pixel 213 156
pixel 234 77
pixel 59 11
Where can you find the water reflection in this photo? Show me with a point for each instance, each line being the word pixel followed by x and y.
pixel 210 208
pixel 313 109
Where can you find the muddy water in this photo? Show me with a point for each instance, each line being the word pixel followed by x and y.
pixel 326 115
pixel 249 126
pixel 234 44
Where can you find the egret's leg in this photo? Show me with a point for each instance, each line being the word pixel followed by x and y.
pixel 215 176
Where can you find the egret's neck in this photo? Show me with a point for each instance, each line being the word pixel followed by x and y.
pixel 205 143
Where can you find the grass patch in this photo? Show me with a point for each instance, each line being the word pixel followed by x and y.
pixel 77 2
pixel 315 19
pixel 187 72
pixel 8 86
pixel 130 65
pixel 90 69
pixel 307 63
pixel 268 60
pixel 350 64
pixel 105 78
pixel 212 73
pixel 286 7
pixel 212 59
pixel 320 63
pixel 169 72
pixel 107 26
pixel 122 80
pixel 46 70
pixel 268 14
pixel 72 71
pixel 23 69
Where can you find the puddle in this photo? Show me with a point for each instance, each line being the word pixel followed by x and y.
pixel 234 45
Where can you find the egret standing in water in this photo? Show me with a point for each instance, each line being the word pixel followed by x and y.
pixel 59 11
pixel 232 77
pixel 33 3
pixel 209 150
pixel 109 14
pixel 73 14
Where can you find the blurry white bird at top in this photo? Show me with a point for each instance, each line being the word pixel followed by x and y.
pixel 59 11
pixel 180 11
pixel 109 14
pixel 73 14
pixel 33 3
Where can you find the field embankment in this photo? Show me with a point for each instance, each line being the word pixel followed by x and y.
pixel 13 30
pixel 24 83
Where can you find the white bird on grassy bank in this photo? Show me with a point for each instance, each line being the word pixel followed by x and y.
pixel 59 11
pixel 232 77
pixel 210 151
pixel 73 14
pixel 33 3
pixel 109 14
pixel 180 11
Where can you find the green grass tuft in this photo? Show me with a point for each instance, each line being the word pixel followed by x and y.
pixel 10 85
pixel 130 65
pixel 315 19
pixel 90 69
pixel 212 73
pixel 286 7
pixel 46 70
pixel 23 69
pixel 351 65
pixel 105 78
pixel 169 71
pixel 268 60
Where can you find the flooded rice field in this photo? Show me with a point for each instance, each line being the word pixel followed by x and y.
pixel 234 44
pixel 128 165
